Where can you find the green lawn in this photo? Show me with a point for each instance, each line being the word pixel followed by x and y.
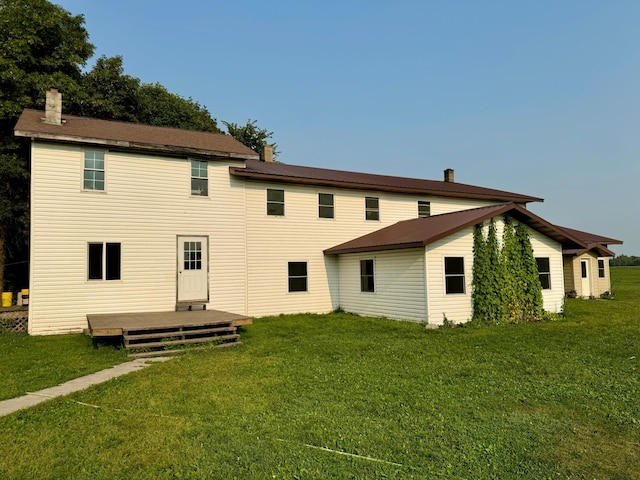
pixel 29 363
pixel 341 396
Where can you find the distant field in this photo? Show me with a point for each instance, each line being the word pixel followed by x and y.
pixel 341 396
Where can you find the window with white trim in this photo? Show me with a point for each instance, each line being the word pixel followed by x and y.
pixel 371 208
pixel 325 205
pixel 454 274
pixel 104 261
pixel 93 170
pixel 601 270
pixel 199 178
pixel 367 283
pixel 275 202
pixel 544 272
pixel 297 276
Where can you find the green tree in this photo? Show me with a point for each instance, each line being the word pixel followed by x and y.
pixel 251 135
pixel 157 106
pixel 41 45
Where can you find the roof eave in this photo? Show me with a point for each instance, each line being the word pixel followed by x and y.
pixel 142 147
pixel 241 172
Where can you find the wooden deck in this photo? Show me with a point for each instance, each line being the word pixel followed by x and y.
pixel 114 324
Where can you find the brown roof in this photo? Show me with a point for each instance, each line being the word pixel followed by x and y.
pixel 420 232
pixel 132 136
pixel 590 238
pixel 279 172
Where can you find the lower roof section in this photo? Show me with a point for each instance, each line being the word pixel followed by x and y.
pixel 420 232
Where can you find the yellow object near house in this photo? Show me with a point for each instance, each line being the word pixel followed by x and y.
pixel 7 299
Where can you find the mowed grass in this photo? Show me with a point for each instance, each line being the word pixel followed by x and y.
pixel 341 396
pixel 28 364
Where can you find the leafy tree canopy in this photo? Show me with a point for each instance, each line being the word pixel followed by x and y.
pixel 251 135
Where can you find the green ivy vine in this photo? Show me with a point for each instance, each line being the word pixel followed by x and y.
pixel 506 286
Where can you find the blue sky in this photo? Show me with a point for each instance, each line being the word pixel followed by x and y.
pixel 538 97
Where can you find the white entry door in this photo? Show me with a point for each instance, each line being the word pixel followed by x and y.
pixel 193 268
pixel 585 275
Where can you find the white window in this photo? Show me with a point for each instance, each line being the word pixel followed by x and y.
pixel 297 276
pixel 601 270
pixel 104 261
pixel 454 274
pixel 367 283
pixel 199 178
pixel 275 202
pixel 371 208
pixel 93 170
pixel 325 205
pixel 544 272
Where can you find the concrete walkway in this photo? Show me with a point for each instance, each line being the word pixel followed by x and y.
pixel 34 398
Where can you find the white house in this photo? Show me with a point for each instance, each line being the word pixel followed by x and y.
pixel 135 218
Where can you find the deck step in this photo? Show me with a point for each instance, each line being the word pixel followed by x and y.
pixel 218 338
pixel 177 333
pixel 164 353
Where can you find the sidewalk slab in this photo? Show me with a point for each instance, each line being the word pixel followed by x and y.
pixel 33 398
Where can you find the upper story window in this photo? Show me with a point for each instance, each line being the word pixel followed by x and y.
pixel 371 208
pixel 601 271
pixel 199 178
pixel 454 274
pixel 325 205
pixel 275 202
pixel 544 272
pixel 104 260
pixel 94 170
pixel 424 208
pixel 367 283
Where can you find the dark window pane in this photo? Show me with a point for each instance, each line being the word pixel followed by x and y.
pixel 543 264
pixel 297 269
pixel 298 284
pixel 583 267
pixel 371 202
pixel 372 215
pixel 113 261
pixel 325 212
pixel 325 199
pixel 366 267
pixel 454 265
pixel 455 284
pixel 275 195
pixel 95 261
pixel 275 209
pixel 545 281
pixel 366 284
pixel 200 186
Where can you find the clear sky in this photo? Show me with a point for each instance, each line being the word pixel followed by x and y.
pixel 535 97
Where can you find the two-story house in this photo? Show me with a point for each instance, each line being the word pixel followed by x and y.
pixel 136 218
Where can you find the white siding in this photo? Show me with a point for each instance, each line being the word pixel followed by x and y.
pixel 399 285
pixel 543 246
pixel 147 203
pixel 456 307
pixel 300 236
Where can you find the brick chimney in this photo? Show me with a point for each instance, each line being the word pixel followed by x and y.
pixel 267 154
pixel 448 175
pixel 53 107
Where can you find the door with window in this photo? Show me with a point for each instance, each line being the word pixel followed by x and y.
pixel 585 275
pixel 193 269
